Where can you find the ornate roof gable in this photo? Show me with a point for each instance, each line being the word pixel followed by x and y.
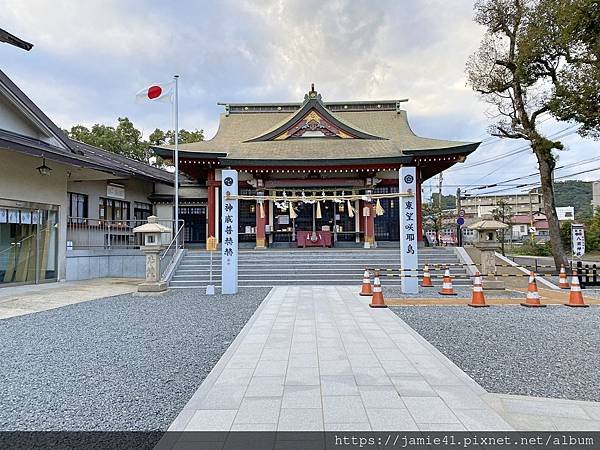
pixel 313 120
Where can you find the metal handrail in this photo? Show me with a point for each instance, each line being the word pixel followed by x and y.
pixel 175 238
pixel 174 242
pixel 88 233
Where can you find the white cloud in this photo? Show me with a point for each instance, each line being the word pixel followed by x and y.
pixel 87 29
pixel 91 57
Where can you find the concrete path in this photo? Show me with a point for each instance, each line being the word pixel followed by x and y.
pixel 21 300
pixel 318 358
pixel 546 414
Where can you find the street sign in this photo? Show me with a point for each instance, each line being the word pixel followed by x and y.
pixel 532 230
pixel 460 221
pixel 461 213
pixel 577 239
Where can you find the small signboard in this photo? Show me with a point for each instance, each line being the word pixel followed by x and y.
pixel 578 239
pixel 211 244
pixel 461 213
pixel 115 191
pixel 460 221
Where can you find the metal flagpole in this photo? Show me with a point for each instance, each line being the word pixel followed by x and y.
pixel 177 156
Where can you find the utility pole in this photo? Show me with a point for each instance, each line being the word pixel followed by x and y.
pixel 440 190
pixel 531 233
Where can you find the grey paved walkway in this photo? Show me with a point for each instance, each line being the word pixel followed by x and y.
pixel 318 358
pixel 28 299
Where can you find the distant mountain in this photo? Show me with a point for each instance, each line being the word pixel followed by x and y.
pixel 575 193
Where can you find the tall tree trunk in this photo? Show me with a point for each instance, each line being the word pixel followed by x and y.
pixel 546 167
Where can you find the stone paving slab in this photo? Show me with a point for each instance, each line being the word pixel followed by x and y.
pixel 28 299
pixel 546 414
pixel 318 358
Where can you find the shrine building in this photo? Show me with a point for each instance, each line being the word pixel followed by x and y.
pixel 311 149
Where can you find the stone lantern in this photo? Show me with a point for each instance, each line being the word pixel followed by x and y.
pixel 488 244
pixel 152 232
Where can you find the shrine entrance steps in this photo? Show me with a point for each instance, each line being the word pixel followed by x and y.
pixel 267 268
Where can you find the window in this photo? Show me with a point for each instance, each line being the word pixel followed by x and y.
pixel 387 226
pixel 141 211
pixel 110 209
pixel 78 207
pixel 247 217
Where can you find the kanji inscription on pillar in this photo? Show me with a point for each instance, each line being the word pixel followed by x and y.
pixel 577 240
pixel 409 260
pixel 229 227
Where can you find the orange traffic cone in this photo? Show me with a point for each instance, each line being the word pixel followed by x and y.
pixel 426 280
pixel 533 297
pixel 576 297
pixel 477 299
pixel 366 284
pixel 563 283
pixel 447 288
pixel 377 300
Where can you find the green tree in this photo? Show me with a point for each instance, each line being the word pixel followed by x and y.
pixel 592 232
pixel 159 137
pixel 567 33
pixel 518 69
pixel 127 140
pixel 565 233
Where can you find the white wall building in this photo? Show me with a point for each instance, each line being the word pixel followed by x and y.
pixel 55 191
pixel 595 194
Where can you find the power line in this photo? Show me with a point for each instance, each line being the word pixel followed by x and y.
pixel 567 131
pixel 536 183
pixel 566 166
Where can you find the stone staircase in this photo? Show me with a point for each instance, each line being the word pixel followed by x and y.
pixel 311 267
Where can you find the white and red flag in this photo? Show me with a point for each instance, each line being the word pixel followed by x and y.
pixel 160 91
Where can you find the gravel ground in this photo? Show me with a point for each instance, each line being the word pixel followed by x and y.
pixel 592 293
pixel 129 362
pixel 462 292
pixel 545 352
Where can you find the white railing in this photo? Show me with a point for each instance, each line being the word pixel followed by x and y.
pixel 86 233
pixel 167 257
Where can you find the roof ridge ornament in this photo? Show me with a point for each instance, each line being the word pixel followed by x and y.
pixel 312 94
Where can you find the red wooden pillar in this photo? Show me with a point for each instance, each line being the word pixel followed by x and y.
pixel 211 203
pixel 261 221
pixel 419 207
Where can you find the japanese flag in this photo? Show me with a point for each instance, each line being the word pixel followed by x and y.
pixel 161 92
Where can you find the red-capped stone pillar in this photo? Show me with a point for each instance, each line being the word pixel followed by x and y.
pixel 211 203
pixel 419 209
pixel 261 221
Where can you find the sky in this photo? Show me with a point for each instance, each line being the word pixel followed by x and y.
pixel 90 58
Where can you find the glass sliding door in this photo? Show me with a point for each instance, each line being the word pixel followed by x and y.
pixel 48 246
pixel 28 244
